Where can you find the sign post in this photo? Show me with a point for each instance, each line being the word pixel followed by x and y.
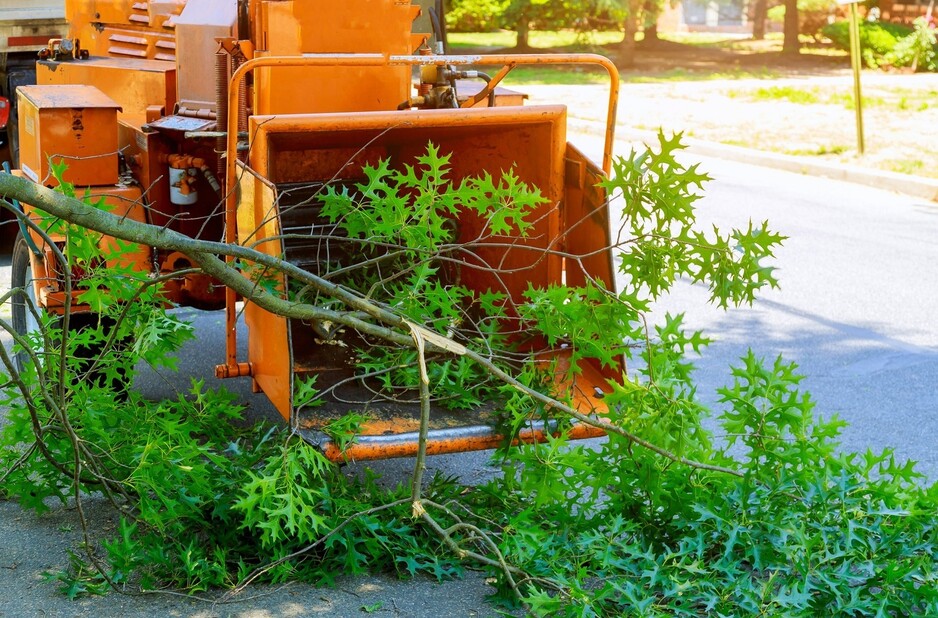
pixel 855 62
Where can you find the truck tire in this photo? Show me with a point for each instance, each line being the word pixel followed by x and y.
pixel 24 322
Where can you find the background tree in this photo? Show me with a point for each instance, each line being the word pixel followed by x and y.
pixel 760 12
pixel 651 11
pixel 524 16
pixel 633 11
pixel 791 45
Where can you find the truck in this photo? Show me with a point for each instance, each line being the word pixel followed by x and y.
pixel 224 119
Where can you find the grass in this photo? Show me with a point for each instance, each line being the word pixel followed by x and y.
pixel 909 166
pixel 743 43
pixel 578 76
pixel 501 39
pixel 685 75
pixel 718 40
pixel 895 99
pixel 557 75
pixel 899 102
pixel 823 149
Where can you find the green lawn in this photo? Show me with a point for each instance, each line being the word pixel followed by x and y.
pixel 685 75
pixel 896 99
pixel 568 40
pixel 543 39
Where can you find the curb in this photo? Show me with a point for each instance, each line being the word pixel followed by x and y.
pixel 905 184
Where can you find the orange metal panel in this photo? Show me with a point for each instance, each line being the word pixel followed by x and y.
pixel 529 141
pixel 83 11
pixel 232 367
pixel 354 26
pixel 145 152
pixel 122 200
pixel 586 225
pixel 270 348
pixel 127 43
pixel 440 442
pixel 124 28
pixel 265 147
pixel 132 83
pixel 76 123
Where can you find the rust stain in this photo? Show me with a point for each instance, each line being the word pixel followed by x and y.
pixel 77 125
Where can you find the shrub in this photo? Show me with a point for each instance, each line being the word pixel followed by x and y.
pixel 877 39
pixel 475 15
pixel 918 50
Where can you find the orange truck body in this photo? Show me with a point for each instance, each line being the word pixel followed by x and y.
pixel 272 95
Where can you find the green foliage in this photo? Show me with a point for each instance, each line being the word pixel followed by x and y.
pixel 918 50
pixel 812 15
pixel 767 517
pixel 895 100
pixel 203 501
pixel 659 194
pixel 402 222
pixel 805 531
pixel 345 430
pixel 877 39
pixel 887 44
pixel 802 96
pixel 486 15
pixel 474 15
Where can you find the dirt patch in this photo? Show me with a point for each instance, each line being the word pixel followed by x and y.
pixel 661 56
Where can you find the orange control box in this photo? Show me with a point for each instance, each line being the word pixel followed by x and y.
pixel 77 124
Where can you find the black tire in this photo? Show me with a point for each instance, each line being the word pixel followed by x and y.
pixel 21 277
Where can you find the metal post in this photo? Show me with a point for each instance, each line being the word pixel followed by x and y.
pixel 855 61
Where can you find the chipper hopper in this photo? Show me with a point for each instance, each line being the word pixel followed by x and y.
pixel 224 119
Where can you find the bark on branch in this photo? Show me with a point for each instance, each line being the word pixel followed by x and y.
pixel 386 324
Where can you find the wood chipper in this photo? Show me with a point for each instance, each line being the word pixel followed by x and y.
pixel 220 119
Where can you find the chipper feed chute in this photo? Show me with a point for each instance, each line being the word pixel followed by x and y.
pixel 290 159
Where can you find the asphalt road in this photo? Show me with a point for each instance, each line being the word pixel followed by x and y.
pixel 856 309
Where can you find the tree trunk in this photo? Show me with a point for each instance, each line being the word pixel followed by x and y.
pixel 627 46
pixel 524 29
pixel 759 14
pixel 650 29
pixel 651 33
pixel 791 45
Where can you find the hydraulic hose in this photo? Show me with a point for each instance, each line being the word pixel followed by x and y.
pixel 488 80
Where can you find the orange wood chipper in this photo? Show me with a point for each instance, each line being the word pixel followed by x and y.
pixel 219 118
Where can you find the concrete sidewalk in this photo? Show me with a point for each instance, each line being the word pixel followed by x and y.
pixel 713 114
pixel 904 184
